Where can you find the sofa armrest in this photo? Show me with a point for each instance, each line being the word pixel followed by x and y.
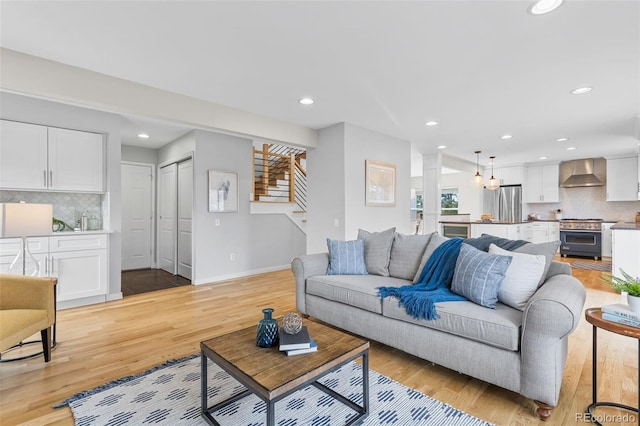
pixel 304 267
pixel 551 314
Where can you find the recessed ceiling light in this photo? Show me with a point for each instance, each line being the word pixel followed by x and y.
pixel 143 136
pixel 442 146
pixel 544 6
pixel 431 123
pixel 543 157
pixel 581 90
pixel 571 148
pixel 562 139
pixel 506 137
pixel 306 101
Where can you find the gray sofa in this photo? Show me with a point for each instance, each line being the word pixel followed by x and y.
pixel 520 350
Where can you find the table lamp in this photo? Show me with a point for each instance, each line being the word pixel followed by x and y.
pixel 25 220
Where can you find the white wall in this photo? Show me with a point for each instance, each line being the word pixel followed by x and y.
pixel 138 154
pixel 261 242
pixel 361 145
pixel 336 184
pixel 325 189
pixel 37 111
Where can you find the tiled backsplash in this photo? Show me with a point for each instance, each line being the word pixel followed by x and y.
pixel 66 206
pixel 583 203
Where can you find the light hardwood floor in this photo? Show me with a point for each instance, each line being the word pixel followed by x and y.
pixel 103 342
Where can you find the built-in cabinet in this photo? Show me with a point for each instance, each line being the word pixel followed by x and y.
pixel 541 232
pixel 621 182
pixel 510 231
pixel 508 175
pixel 626 252
pixel 607 239
pixel 541 183
pixel 38 157
pixel 78 260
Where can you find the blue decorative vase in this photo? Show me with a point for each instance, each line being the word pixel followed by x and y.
pixel 267 335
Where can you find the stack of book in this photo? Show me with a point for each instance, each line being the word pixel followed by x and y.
pixel 297 344
pixel 621 314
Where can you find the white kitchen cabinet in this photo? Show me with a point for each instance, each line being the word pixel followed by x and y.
pixel 78 260
pixel 38 246
pixel 607 239
pixel 626 252
pixel 48 158
pixel 23 155
pixel 80 263
pixel 508 175
pixel 541 232
pixel 621 182
pixel 510 231
pixel 75 160
pixel 541 183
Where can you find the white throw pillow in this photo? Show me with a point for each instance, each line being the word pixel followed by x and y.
pixel 521 279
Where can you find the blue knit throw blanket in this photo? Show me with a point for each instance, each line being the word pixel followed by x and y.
pixel 433 283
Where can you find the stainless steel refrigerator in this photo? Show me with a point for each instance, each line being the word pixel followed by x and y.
pixel 504 203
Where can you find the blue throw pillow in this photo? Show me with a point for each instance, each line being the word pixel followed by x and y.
pixel 346 257
pixel 478 275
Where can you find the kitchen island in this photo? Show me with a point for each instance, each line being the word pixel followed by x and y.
pixel 538 231
pixel 626 248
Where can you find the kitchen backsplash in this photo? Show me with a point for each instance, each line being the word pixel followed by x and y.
pixel 586 202
pixel 66 206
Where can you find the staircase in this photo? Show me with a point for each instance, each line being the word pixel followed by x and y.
pixel 280 182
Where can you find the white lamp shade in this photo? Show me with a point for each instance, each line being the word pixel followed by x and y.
pixel 25 219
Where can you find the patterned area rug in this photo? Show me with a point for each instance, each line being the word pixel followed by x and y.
pixel 579 264
pixel 170 395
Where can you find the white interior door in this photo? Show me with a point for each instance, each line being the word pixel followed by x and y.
pixel 185 211
pixel 137 216
pixel 168 221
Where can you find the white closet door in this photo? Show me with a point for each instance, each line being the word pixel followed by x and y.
pixel 137 212
pixel 168 221
pixel 185 211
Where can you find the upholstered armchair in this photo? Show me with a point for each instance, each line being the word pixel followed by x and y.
pixel 27 305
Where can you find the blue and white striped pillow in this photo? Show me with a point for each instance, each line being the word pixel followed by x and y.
pixel 478 275
pixel 346 257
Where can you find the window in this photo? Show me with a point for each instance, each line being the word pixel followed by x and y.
pixel 449 201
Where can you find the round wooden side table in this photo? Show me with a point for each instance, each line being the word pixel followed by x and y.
pixel 594 317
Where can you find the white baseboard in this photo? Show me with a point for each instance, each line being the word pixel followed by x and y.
pixel 114 296
pixel 215 279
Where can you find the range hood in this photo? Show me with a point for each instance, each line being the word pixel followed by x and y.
pixel 580 174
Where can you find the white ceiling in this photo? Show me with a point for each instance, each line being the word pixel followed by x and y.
pixel 480 68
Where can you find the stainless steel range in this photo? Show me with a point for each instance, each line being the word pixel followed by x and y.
pixel 581 237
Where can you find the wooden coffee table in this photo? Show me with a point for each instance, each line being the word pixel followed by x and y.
pixel 272 375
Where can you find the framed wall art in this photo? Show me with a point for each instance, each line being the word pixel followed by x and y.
pixel 380 181
pixel 223 191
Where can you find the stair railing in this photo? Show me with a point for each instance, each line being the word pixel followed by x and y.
pixel 274 164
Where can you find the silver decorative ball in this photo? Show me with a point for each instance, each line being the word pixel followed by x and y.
pixel 291 323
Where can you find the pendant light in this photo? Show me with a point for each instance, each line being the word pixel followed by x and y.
pixel 477 179
pixel 493 182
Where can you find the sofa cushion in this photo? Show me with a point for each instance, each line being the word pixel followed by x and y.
pixel 499 327
pixel 346 257
pixel 478 275
pixel 355 290
pixel 548 250
pixel 521 279
pixel 377 250
pixel 406 253
pixel 434 242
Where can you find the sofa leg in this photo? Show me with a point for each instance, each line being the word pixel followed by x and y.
pixel 544 410
pixel 46 343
